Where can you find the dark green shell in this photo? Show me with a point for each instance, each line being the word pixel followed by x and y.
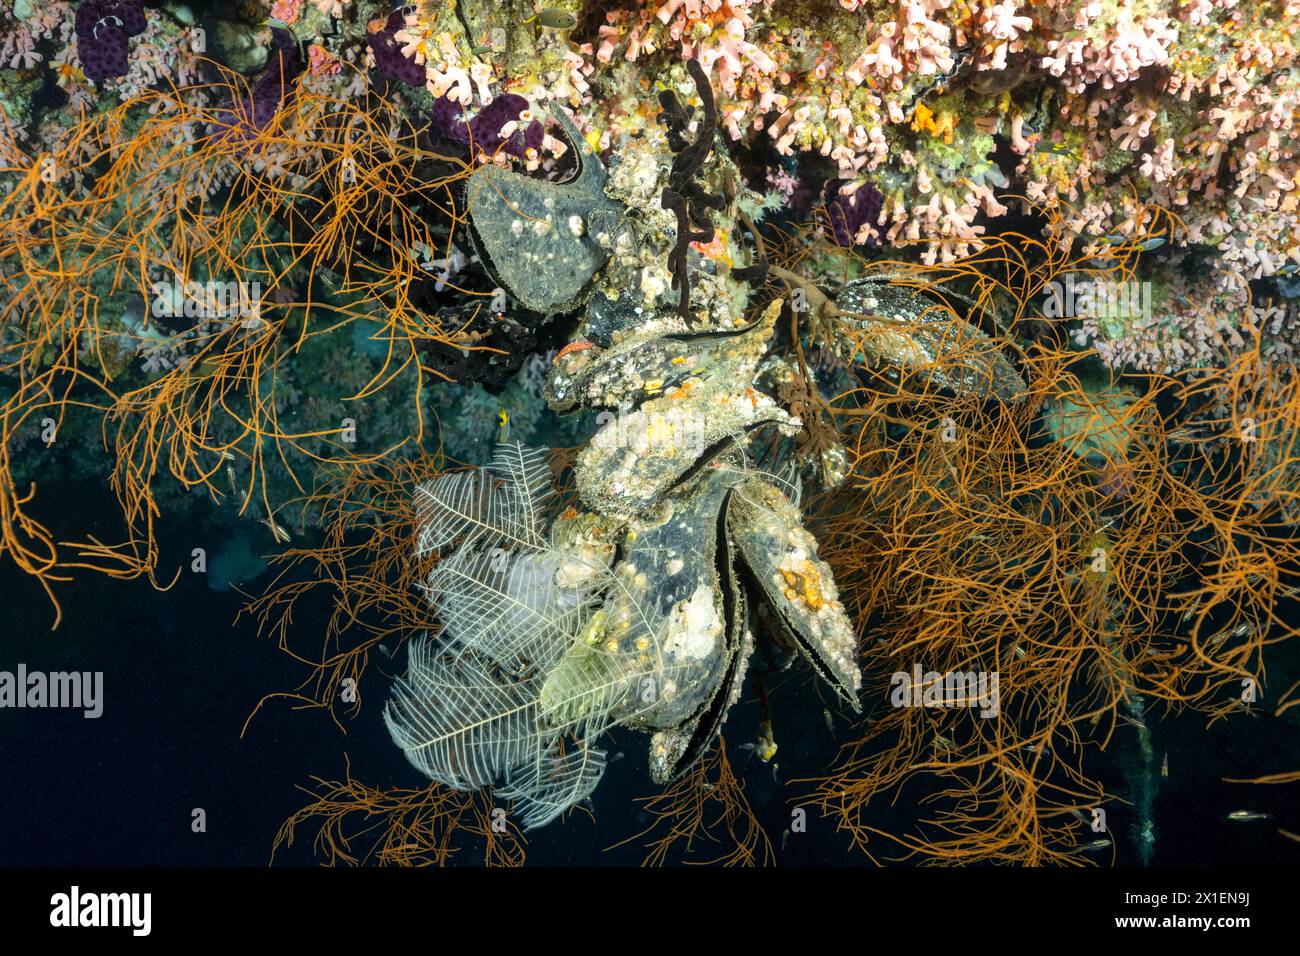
pixel 538 238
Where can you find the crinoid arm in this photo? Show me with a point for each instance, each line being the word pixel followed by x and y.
pixel 560 779
pixel 468 711
pixel 460 720
pixel 505 605
pixel 502 502
pixel 587 683
pixel 464 723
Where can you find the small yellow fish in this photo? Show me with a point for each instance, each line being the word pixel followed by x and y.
pixel 765 746
pixel 1248 816
pixel 553 18
pixel 1055 149
pixel 503 417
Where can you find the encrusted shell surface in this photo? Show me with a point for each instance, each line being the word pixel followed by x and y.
pixel 643 365
pixel 638 457
pixel 695 400
pixel 780 556
pixel 674 749
pixel 525 230
pixel 972 363
pixel 669 648
pixel 667 615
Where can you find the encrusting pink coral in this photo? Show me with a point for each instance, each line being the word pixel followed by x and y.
pixel 914 96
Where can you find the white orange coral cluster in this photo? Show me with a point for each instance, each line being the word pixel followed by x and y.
pixel 1199 97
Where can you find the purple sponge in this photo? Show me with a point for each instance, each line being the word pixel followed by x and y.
pixel 103 27
pixel 388 53
pixel 849 213
pixel 271 90
pixel 484 130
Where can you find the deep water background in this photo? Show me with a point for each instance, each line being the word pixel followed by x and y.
pixel 181 676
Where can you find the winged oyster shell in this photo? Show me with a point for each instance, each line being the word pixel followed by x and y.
pixel 682 399
pixel 645 364
pixel 778 558
pixel 665 639
pixel 541 240
pixel 669 649
pixel 973 363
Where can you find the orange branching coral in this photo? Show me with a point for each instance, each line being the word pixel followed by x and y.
pixel 1289 776
pixel 402 827
pixel 692 810
pixel 157 201
pixel 974 537
pixel 367 567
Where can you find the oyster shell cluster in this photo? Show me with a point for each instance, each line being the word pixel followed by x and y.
pixel 639 608
pixel 552 633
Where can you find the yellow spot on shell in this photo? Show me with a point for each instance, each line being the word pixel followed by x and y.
pixel 806 583
pixel 659 432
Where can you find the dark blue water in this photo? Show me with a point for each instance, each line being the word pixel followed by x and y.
pixel 182 675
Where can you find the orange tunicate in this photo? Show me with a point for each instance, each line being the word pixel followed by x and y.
pixel 805 582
